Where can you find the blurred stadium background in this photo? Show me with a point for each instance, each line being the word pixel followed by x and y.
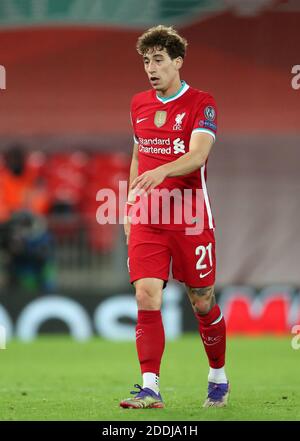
pixel 70 71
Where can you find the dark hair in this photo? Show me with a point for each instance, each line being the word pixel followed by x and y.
pixel 162 37
pixel 15 158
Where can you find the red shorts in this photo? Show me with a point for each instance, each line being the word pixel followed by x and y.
pixel 150 251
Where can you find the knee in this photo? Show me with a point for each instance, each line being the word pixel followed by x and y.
pixel 202 299
pixel 201 307
pixel 147 298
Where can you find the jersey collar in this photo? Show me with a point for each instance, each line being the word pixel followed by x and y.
pixel 180 92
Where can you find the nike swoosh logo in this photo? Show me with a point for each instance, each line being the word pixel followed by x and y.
pixel 138 120
pixel 204 275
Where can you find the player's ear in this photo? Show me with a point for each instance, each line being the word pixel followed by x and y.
pixel 178 62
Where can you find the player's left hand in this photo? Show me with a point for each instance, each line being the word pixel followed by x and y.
pixel 149 180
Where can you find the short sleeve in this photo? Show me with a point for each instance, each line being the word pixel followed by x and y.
pixel 206 117
pixel 132 119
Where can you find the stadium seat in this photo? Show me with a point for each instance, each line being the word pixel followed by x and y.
pixel 105 171
pixel 66 176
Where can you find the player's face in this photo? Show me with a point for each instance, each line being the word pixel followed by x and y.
pixel 162 71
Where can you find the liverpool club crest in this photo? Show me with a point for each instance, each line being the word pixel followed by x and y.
pixel 178 121
pixel 160 118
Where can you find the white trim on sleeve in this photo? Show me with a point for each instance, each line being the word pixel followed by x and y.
pixel 205 131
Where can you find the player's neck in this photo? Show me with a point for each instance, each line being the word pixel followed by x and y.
pixel 173 89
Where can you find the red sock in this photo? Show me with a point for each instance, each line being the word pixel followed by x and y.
pixel 212 330
pixel 150 340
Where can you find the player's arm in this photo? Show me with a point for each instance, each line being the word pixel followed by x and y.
pixel 200 146
pixel 133 169
pixel 132 176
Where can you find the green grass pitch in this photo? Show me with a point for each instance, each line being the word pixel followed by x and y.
pixel 56 378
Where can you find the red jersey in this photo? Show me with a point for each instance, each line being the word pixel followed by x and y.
pixel 162 130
